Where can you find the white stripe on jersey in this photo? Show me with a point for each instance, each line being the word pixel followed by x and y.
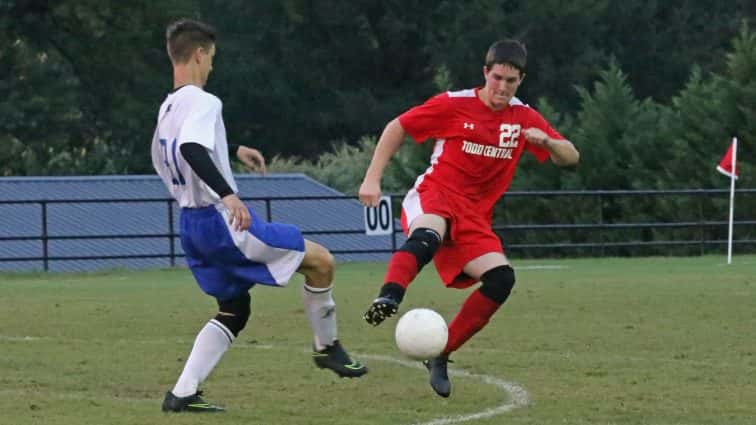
pixel 412 206
pixel 462 93
pixel 438 149
pixel 190 114
pixel 514 101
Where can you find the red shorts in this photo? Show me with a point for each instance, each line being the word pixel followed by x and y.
pixel 468 237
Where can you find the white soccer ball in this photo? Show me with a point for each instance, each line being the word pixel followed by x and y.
pixel 421 334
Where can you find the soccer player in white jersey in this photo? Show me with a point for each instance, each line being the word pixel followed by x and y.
pixel 228 248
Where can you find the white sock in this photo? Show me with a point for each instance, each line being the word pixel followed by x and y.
pixel 321 310
pixel 211 342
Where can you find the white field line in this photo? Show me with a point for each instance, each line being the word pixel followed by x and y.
pixel 519 396
pixel 82 396
pixel 245 345
pixel 542 267
pixel 18 338
pixel 740 262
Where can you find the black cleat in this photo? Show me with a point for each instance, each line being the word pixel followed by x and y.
pixel 381 309
pixel 439 379
pixel 335 358
pixel 193 403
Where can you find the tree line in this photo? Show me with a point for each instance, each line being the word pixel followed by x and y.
pixel 649 92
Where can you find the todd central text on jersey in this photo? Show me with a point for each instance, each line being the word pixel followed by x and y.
pixel 487 150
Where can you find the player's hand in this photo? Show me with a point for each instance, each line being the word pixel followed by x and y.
pixel 238 214
pixel 252 158
pixel 370 193
pixel 536 136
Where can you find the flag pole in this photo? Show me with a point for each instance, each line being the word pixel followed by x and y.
pixel 732 198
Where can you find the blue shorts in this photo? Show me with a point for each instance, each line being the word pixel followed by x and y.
pixel 226 263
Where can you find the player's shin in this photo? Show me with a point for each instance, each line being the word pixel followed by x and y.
pixel 480 306
pixel 407 262
pixel 212 342
pixel 209 346
pixel 321 312
pixel 403 267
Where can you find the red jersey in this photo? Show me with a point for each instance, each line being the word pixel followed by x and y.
pixel 477 148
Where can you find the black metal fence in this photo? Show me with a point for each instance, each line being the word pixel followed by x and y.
pixel 598 233
pixel 625 222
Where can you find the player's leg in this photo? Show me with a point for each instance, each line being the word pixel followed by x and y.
pixel 212 257
pixel 426 232
pixel 209 346
pixel 317 295
pixel 497 278
pixel 269 254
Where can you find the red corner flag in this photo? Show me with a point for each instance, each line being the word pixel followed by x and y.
pixel 727 165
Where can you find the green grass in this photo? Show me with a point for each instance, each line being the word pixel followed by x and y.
pixel 600 341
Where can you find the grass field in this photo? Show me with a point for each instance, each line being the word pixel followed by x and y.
pixel 590 341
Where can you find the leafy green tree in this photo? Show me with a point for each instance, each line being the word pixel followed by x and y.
pixel 296 75
pixel 312 73
pixel 84 79
pixel 611 132
pixel 708 112
pixel 740 101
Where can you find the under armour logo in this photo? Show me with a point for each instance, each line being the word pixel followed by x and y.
pixel 469 125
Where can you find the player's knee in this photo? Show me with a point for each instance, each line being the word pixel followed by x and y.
pixel 498 283
pixel 324 263
pixel 234 313
pixel 328 262
pixel 423 244
pixel 318 260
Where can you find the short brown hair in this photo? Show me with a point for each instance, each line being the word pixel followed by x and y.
pixel 507 51
pixel 184 36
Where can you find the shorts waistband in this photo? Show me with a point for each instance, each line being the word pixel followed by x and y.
pixel 200 211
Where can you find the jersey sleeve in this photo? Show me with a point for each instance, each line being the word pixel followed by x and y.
pixel 199 124
pixel 538 121
pixel 432 119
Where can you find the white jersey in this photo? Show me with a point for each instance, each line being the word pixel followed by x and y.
pixel 190 114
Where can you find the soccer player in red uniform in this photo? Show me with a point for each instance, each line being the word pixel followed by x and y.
pixel 480 136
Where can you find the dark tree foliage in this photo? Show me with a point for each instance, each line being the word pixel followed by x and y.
pixel 80 81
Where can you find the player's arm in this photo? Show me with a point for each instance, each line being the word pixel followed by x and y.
pixel 561 151
pixel 250 157
pixel 197 157
pixel 389 142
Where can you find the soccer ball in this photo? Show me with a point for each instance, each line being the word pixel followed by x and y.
pixel 421 334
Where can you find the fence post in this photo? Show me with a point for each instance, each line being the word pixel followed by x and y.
pixel 170 233
pixel 393 232
pixel 45 249
pixel 701 225
pixel 268 213
pixel 601 224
